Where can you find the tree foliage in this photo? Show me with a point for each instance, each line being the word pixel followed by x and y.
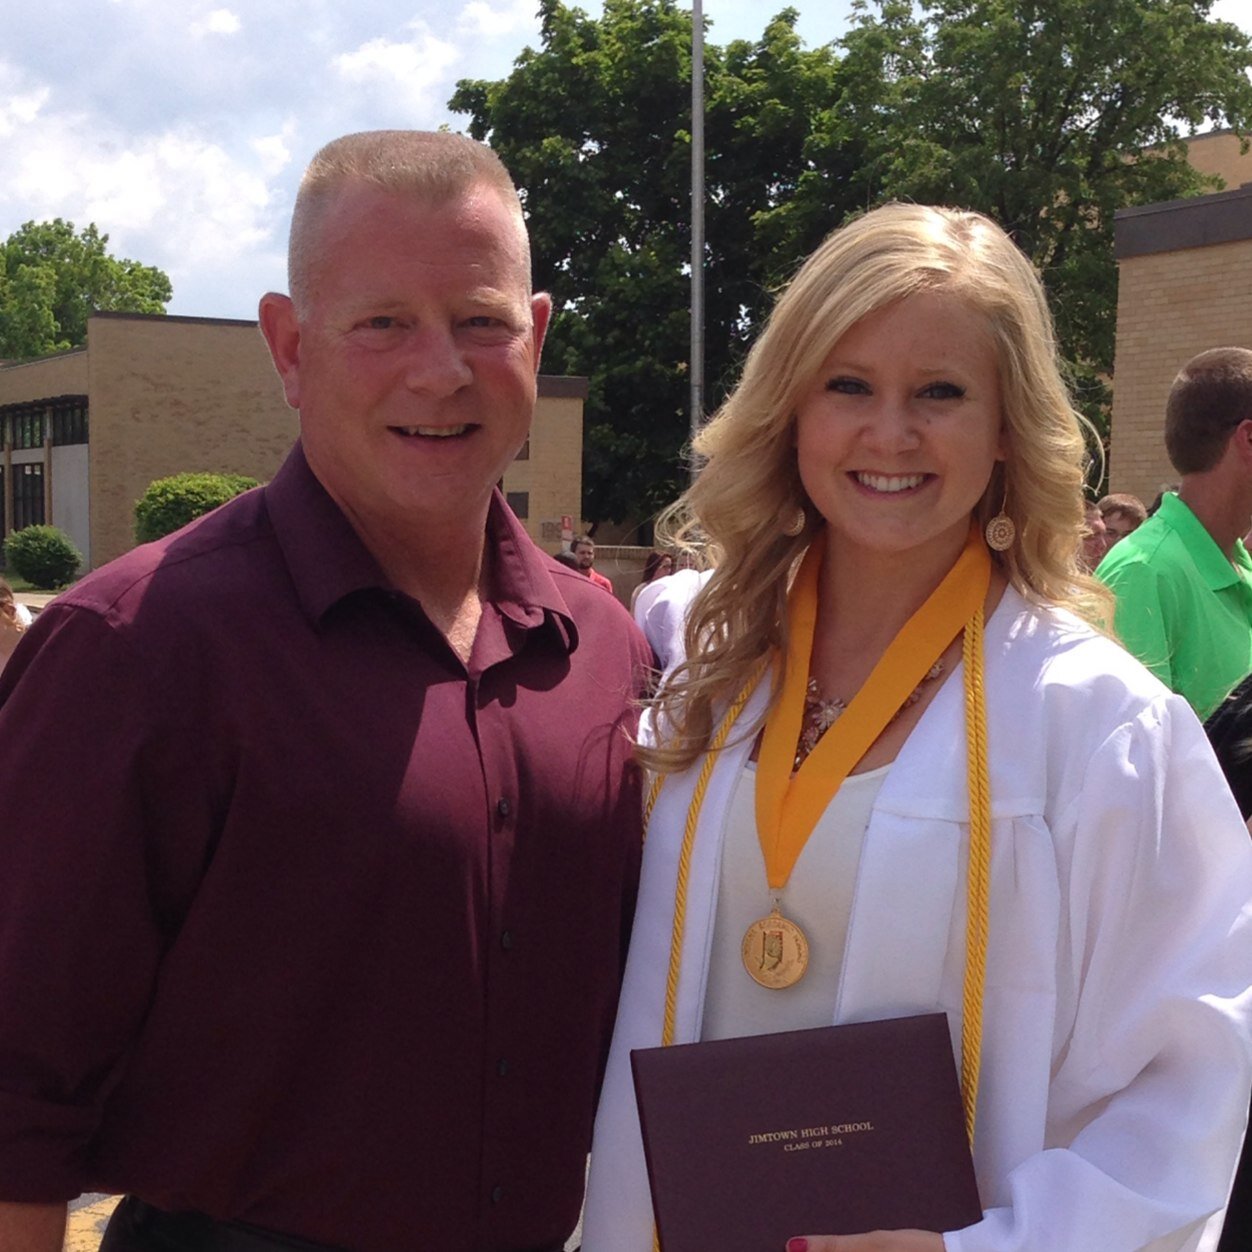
pixel 52 278
pixel 595 127
pixel 170 503
pixel 1047 114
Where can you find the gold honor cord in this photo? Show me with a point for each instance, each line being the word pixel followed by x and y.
pixel 977 881
pixel 684 864
pixel 978 872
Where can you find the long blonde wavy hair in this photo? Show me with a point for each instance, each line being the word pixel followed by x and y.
pixel 749 484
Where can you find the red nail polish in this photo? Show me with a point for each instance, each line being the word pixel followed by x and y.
pixel 797 1245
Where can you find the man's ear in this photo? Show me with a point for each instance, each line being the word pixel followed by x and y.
pixel 281 329
pixel 1239 447
pixel 541 315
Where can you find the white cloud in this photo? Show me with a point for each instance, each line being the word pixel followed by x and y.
pixel 274 151
pixel 219 22
pixel 21 99
pixel 175 199
pixel 22 109
pixel 401 74
pixel 496 21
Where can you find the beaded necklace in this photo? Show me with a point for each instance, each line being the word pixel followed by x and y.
pixel 820 714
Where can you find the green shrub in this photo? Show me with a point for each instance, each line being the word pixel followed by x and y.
pixel 42 555
pixel 170 503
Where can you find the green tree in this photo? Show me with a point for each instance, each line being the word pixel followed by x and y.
pixel 52 278
pixel 595 127
pixel 1049 115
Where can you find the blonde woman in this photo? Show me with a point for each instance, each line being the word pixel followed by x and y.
pixel 890 666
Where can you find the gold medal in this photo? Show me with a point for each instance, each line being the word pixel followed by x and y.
pixel 775 951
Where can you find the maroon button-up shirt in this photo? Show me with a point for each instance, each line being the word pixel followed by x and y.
pixel 304 923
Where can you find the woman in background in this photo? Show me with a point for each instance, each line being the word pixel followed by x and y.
pixel 12 623
pixel 657 565
pixel 897 744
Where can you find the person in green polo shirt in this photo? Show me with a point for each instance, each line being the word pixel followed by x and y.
pixel 1183 580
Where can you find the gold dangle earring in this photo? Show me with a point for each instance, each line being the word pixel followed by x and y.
pixel 796 525
pixel 1001 532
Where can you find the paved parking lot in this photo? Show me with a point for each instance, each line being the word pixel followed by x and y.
pixel 88 1215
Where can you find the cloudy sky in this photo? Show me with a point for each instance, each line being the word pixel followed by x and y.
pixel 181 127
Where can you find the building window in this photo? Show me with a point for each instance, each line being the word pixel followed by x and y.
pixel 63 418
pixel 523 453
pixel 27 428
pixel 27 495
pixel 69 421
pixel 519 502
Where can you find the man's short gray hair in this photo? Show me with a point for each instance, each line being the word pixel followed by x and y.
pixel 432 166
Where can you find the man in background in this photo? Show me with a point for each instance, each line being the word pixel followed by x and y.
pixel 1122 514
pixel 1183 579
pixel 1095 538
pixel 311 931
pixel 584 550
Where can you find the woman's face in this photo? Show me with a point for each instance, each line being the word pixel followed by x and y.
pixel 897 438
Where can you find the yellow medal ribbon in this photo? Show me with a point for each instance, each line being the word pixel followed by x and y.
pixel 788 806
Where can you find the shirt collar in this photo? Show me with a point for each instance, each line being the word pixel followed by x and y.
pixel 327 560
pixel 1210 560
pixel 518 580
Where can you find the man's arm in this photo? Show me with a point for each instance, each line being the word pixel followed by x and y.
pixel 31 1227
pixel 79 894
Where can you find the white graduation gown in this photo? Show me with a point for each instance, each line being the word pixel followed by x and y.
pixel 1116 1063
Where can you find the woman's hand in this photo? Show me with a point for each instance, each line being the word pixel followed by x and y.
pixel 874 1241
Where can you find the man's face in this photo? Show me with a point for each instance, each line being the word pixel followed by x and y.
pixel 585 555
pixel 1095 542
pixel 1117 525
pixel 414 364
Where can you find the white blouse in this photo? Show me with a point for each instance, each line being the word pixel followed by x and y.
pixel 817 897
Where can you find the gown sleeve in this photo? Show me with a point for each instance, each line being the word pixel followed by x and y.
pixel 1151 1070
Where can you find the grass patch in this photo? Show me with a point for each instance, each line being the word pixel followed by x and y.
pixel 18 584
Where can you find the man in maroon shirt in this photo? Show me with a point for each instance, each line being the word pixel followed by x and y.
pixel 318 830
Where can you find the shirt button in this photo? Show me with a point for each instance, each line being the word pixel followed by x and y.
pixel 502 1067
pixel 503 807
pixel 497 1194
pixel 506 940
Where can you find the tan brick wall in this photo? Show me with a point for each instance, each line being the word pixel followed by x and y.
pixel 553 474
pixel 1218 153
pixel 61 375
pixel 168 396
pixel 1170 305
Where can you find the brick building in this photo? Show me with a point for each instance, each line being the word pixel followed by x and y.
pixel 83 433
pixel 1184 284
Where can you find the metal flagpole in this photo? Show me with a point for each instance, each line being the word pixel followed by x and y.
pixel 697 216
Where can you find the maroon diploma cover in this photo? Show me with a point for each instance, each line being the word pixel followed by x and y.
pixel 833 1131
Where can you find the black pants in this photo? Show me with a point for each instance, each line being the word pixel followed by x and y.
pixel 138 1227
